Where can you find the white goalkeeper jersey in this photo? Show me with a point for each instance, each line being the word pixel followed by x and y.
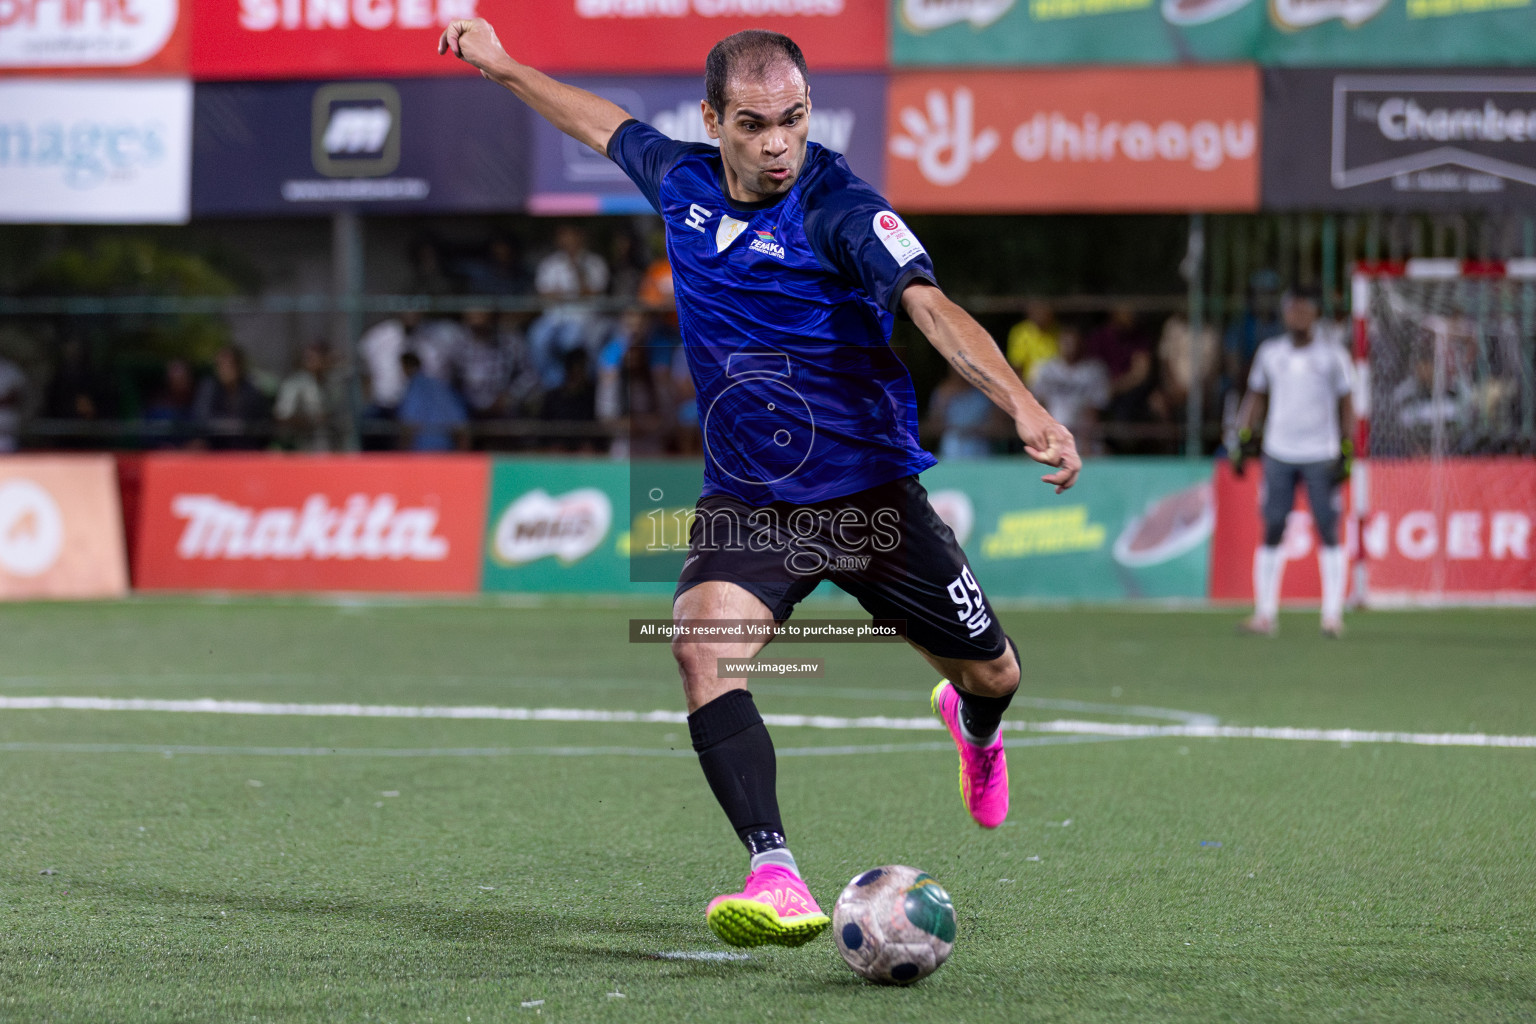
pixel 1304 384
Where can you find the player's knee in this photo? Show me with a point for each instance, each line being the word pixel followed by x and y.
pixel 690 657
pixel 996 678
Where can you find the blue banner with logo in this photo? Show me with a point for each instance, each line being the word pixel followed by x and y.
pixel 398 145
pixel 847 115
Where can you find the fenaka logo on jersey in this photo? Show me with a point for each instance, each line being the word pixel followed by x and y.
pixel 355 129
pixel 897 238
pixel 766 243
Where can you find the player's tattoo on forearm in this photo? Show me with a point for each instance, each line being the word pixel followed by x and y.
pixel 983 380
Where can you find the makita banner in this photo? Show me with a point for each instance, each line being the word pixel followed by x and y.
pixel 401 146
pixel 243 39
pixel 295 523
pixel 66 36
pixel 847 115
pixel 1361 33
pixel 1409 140
pixel 1133 140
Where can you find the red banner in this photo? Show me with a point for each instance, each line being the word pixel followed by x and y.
pixel 60 531
pixel 296 523
pixel 245 39
pixel 1239 530
pixel 1458 529
pixel 1127 139
pixel 109 37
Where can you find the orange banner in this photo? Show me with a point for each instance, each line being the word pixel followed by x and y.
pixel 61 534
pixel 300 523
pixel 1126 139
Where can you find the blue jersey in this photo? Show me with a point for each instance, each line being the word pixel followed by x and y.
pixel 786 312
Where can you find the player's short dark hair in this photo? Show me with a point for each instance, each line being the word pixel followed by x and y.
pixel 749 53
pixel 1305 293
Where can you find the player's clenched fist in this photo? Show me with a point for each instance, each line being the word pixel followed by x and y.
pixel 1052 444
pixel 474 42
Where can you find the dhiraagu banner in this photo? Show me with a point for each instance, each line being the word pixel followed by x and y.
pixel 1356 33
pixel 1131 528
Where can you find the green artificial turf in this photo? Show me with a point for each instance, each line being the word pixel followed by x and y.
pixel 436 870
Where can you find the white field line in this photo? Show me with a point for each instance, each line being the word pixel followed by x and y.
pixel 174 749
pixel 705 955
pixel 1259 732
pixel 834 722
pixel 766 686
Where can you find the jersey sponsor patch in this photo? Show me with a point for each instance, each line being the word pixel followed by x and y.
pixel 765 242
pixel 897 238
pixel 729 230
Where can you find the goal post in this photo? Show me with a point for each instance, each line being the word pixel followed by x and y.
pixel 1444 493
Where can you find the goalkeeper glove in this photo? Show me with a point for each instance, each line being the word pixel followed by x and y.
pixel 1345 464
pixel 1246 449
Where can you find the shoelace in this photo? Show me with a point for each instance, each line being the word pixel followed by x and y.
pixel 990 757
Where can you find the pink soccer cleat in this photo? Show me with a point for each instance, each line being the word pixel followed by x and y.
pixel 773 908
pixel 983 770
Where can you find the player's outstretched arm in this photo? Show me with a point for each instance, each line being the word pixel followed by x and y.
pixel 972 352
pixel 581 115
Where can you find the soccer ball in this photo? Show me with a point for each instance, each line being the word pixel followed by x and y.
pixel 894 925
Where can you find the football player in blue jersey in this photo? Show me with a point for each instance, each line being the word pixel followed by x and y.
pixel 788 271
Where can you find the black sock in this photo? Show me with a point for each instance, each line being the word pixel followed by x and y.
pixel 737 757
pixel 982 715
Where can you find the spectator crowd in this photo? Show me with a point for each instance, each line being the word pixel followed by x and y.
pixel 592 362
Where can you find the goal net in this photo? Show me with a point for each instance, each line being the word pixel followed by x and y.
pixel 1445 492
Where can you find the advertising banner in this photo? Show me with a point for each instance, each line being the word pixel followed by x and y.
pixel 1362 33
pixel 95 152
pixel 61 534
pixel 1132 528
pixel 847 115
pixel 1239 530
pixel 1458 529
pixel 568 525
pixel 1139 140
pixel 406 146
pixel 1346 140
pixel 120 36
pixel 301 523
pixel 675 35
pixel 249 39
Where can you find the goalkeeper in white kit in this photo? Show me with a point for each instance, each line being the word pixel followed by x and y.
pixel 1299 388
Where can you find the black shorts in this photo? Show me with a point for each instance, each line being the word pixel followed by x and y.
pixel 886 546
